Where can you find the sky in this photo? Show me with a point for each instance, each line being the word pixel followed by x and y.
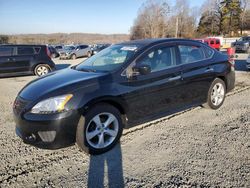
pixel 68 16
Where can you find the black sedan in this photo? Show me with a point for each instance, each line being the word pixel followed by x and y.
pixel 123 84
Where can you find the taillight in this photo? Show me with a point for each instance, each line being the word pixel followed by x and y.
pixel 231 55
pixel 48 52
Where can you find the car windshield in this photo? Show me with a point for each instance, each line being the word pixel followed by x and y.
pixel 69 48
pixel 108 59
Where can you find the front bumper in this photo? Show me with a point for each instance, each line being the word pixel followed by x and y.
pixel 47 131
pixel 241 48
pixel 65 56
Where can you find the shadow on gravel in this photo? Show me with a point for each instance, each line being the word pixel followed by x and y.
pixel 62 66
pixel 240 65
pixel 109 164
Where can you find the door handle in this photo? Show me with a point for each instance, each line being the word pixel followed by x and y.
pixel 209 70
pixel 174 78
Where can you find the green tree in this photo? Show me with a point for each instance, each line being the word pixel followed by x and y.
pixel 209 24
pixel 231 16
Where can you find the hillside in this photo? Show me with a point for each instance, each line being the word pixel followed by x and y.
pixel 64 38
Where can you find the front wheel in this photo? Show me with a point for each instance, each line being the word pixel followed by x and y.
pixel 89 54
pixel 216 94
pixel 73 56
pixel 99 129
pixel 42 69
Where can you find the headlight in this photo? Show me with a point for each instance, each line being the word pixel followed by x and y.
pixel 51 105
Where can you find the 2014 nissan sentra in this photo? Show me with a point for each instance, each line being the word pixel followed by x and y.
pixel 92 102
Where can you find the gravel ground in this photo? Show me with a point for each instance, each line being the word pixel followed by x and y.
pixel 196 148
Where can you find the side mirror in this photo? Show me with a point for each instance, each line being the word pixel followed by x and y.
pixel 142 69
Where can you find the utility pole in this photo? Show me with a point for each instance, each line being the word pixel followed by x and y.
pixel 176 29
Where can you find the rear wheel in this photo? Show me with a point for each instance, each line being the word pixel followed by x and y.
pixel 73 56
pixel 99 130
pixel 42 69
pixel 216 94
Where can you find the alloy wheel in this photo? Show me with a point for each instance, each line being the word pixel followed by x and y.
pixel 102 130
pixel 218 94
pixel 42 70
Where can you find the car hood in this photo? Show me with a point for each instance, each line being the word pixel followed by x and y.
pixel 59 82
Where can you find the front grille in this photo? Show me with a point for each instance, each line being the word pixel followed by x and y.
pixel 19 105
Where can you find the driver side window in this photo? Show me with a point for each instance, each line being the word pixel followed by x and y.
pixel 159 59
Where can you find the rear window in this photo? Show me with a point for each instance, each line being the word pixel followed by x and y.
pixel 217 41
pixel 25 51
pixel 190 54
pixel 6 51
pixel 58 47
pixel 37 50
pixel 83 46
pixel 211 42
pixel 209 52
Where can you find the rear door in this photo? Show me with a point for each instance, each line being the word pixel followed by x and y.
pixel 6 59
pixel 24 57
pixel 197 72
pixel 158 91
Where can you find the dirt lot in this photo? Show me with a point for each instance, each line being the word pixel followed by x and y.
pixel 196 148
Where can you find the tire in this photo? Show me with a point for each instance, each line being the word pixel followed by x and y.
pixel 91 143
pixel 214 101
pixel 53 55
pixel 42 69
pixel 89 54
pixel 248 51
pixel 73 56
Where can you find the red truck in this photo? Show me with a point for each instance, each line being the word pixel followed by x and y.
pixel 212 42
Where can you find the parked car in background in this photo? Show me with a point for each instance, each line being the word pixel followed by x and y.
pixel 73 52
pixel 25 59
pixel 248 62
pixel 213 43
pixel 242 45
pixel 53 52
pixel 98 47
pixel 92 102
pixel 81 51
pixel 58 48
pixel 65 53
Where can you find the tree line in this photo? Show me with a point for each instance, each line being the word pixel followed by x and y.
pixel 63 38
pixel 158 18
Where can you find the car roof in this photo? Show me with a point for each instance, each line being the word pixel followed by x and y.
pixel 28 45
pixel 146 42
